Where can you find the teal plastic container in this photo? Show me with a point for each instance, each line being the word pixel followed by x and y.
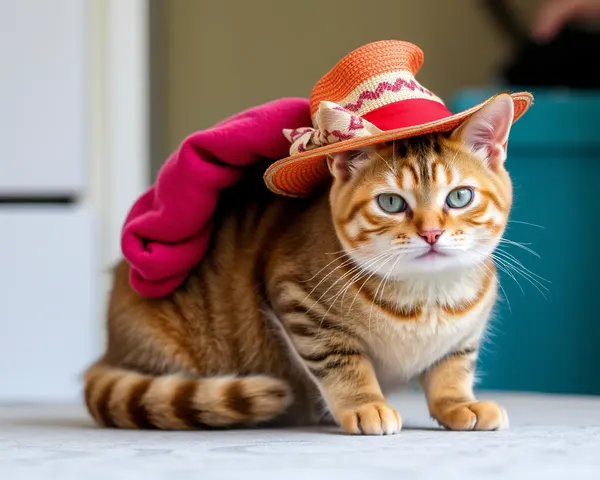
pixel 550 344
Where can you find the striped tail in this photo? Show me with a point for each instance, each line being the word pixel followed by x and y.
pixel 125 399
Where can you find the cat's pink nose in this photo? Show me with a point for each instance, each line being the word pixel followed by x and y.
pixel 431 236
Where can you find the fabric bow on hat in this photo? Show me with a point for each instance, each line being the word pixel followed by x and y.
pixel 333 123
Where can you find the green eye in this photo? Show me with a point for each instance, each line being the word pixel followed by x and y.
pixel 459 197
pixel 391 203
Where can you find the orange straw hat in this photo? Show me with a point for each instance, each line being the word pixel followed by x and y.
pixel 371 96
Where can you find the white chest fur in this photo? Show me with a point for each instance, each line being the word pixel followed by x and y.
pixel 452 315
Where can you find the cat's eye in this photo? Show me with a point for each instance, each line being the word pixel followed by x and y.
pixel 459 197
pixel 391 203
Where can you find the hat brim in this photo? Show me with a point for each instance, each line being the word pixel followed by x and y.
pixel 298 175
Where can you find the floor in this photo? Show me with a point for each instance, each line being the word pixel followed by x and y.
pixel 550 438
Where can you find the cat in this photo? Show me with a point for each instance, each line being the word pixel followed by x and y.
pixel 305 311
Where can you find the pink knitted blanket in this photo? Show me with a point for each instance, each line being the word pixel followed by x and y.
pixel 168 228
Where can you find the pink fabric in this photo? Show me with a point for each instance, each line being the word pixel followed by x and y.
pixel 168 228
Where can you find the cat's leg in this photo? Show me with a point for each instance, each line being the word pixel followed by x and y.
pixel 334 356
pixel 448 386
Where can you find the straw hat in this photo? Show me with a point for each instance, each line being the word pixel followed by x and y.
pixel 371 96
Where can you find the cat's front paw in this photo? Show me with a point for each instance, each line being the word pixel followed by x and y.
pixel 376 418
pixel 470 415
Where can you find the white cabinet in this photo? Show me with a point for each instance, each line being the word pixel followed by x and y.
pixel 49 328
pixel 48 302
pixel 73 126
pixel 42 97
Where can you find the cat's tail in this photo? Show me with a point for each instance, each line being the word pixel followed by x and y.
pixel 125 399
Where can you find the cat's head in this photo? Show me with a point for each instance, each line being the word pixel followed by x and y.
pixel 427 204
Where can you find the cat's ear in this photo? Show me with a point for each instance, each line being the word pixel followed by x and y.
pixel 486 132
pixel 343 165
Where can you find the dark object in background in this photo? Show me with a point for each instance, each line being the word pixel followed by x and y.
pixel 569 60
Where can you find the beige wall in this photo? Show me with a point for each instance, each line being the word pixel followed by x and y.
pixel 222 56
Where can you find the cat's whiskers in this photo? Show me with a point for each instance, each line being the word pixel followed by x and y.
pixel 357 277
pixel 481 263
pixel 361 287
pixel 384 281
pixel 344 264
pixel 508 263
pixel 508 267
pixel 511 266
pixel 520 245
pixel 341 254
pixel 514 259
pixel 377 261
pixel 349 250
pixel 526 223
pixel 362 270
pixel 339 257
pixel 393 251
pixel 396 252
pixel 333 270
pixel 357 267
pixel 501 267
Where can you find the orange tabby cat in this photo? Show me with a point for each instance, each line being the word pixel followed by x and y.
pixel 308 310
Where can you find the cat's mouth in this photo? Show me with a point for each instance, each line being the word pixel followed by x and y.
pixel 432 253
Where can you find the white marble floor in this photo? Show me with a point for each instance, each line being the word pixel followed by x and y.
pixel 550 438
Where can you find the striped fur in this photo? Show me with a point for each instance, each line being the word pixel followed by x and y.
pixel 126 399
pixel 305 311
